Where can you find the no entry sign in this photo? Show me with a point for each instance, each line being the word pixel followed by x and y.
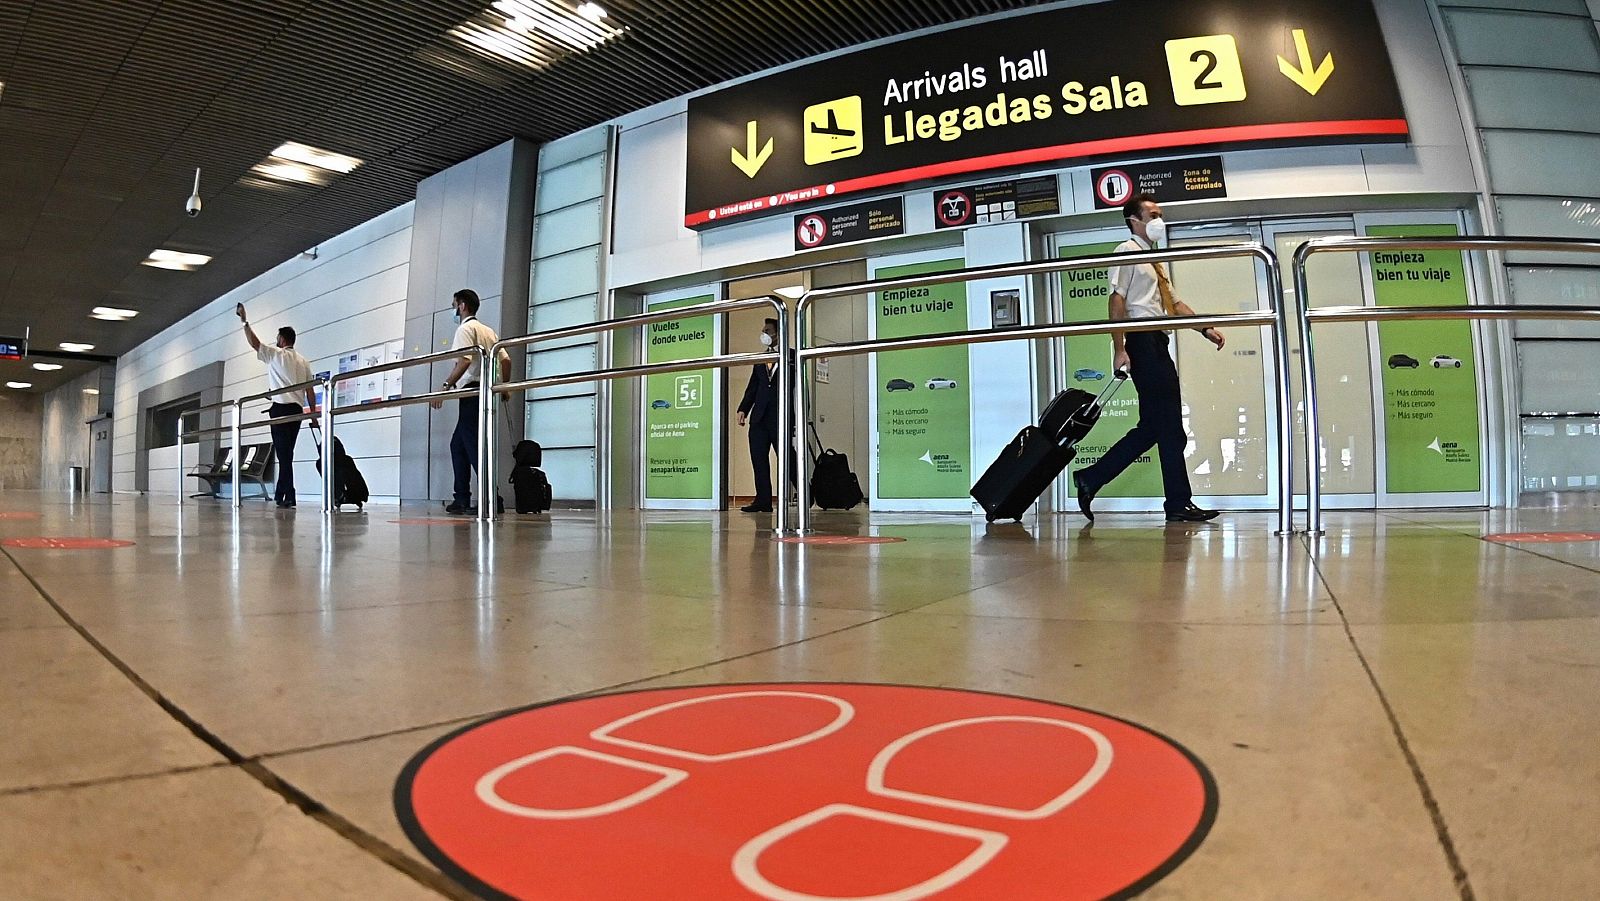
pixel 805 792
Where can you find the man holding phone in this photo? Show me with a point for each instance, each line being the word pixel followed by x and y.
pixel 285 367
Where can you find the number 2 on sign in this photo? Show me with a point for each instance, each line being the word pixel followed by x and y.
pixel 1205 70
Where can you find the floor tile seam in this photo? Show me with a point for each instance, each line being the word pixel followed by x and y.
pixel 101 781
pixel 571 696
pixel 1430 802
pixel 1509 545
pixel 364 841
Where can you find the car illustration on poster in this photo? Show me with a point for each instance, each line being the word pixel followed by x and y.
pixel 1445 361
pixel 1088 375
pixel 661 405
pixel 1401 361
pixel 939 384
pixel 899 385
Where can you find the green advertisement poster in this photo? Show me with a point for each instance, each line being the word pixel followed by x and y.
pixel 1085 294
pixel 1430 370
pixel 679 434
pixel 924 401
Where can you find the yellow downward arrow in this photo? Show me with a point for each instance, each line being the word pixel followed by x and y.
pixel 1307 76
pixel 750 162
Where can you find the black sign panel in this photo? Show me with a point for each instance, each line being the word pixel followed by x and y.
pixel 1195 178
pixel 857 222
pixel 12 348
pixel 999 201
pixel 1114 79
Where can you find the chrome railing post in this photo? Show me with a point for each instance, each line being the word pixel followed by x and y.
pixel 485 450
pixel 236 456
pixel 787 453
pixel 327 447
pixel 181 475
pixel 802 416
pixel 1308 374
pixel 1284 390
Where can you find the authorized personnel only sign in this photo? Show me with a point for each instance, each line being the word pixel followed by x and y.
pixel 1110 79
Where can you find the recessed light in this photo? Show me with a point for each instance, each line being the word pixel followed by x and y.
pixel 47 367
pixel 19 385
pixel 592 12
pixel 176 260
pixel 284 170
pixel 535 33
pixel 93 391
pixel 296 152
pixel 75 347
pixel 112 314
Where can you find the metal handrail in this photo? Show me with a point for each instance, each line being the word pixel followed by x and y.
pixel 1275 318
pixel 1307 316
pixel 488 389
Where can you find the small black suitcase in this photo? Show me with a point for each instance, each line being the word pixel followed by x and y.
pixel 833 485
pixel 1038 454
pixel 349 487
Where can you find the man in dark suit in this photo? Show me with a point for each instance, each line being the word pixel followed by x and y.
pixel 759 411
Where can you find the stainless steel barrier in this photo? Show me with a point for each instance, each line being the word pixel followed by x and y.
pixel 183 477
pixel 1274 318
pixel 237 426
pixel 1309 316
pixel 723 361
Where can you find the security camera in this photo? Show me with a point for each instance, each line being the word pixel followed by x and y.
pixel 193 206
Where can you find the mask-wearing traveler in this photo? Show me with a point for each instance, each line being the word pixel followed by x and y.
pixel 759 410
pixel 464 441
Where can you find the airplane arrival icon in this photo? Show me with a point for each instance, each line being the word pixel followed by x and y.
pixel 833 130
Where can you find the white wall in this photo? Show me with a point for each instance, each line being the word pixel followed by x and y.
pixel 64 439
pixel 351 296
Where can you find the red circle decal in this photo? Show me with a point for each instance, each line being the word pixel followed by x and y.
pixel 1542 537
pixel 805 792
pixel 424 521
pixel 66 544
pixel 6 515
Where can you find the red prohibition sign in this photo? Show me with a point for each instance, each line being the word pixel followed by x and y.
pixel 812 230
pixel 805 792
pixel 954 208
pixel 66 544
pixel 1113 187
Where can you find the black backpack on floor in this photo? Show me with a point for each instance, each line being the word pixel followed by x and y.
pixel 833 485
pixel 532 487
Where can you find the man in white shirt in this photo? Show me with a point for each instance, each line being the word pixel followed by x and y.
pixel 464 442
pixel 285 367
pixel 1144 291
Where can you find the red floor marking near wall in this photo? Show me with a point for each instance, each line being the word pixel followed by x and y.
pixel 18 514
pixel 805 792
pixel 433 522
pixel 66 544
pixel 1542 537
pixel 837 539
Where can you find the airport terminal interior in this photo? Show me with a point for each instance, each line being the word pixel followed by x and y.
pixel 1193 427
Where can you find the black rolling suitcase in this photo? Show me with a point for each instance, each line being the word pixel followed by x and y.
pixel 1039 453
pixel 349 487
pixel 529 485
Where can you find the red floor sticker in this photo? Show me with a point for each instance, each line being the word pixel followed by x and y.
pixel 66 544
pixel 805 792
pixel 1542 537
pixel 838 539
pixel 432 522
pixel 6 515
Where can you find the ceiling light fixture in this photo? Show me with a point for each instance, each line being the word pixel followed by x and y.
pixel 75 347
pixel 19 385
pixel 93 391
pixel 112 314
pixel 176 260
pixel 296 152
pixel 535 33
pixel 47 367
pixel 298 163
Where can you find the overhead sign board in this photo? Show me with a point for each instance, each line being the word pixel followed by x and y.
pixel 1196 178
pixel 1085 82
pixel 13 348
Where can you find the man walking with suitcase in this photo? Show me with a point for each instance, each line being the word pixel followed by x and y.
pixel 1144 291
pixel 285 367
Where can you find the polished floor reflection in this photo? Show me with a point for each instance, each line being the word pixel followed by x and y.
pixel 1398 709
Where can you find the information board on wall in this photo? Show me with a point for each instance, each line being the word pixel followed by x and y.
pixel 1101 80
pixel 679 454
pixel 1085 297
pixel 1168 181
pixel 923 396
pixel 1430 369
pixel 856 222
pixel 1001 201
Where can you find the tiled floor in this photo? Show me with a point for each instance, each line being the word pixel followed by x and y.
pixel 1399 709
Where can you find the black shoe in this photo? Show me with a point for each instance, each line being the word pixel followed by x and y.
pixel 1085 496
pixel 755 508
pixel 499 504
pixel 1191 513
pixel 455 509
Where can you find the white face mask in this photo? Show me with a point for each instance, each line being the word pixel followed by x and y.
pixel 1157 230
pixel 766 340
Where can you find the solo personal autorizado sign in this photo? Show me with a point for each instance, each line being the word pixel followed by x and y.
pixel 1110 79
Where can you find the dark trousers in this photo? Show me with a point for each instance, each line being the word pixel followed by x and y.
pixel 283 439
pixel 464 448
pixel 1160 422
pixel 763 441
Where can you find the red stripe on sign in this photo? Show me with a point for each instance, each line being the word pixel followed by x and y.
pixel 1196 138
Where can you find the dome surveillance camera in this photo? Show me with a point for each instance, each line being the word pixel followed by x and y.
pixel 192 207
